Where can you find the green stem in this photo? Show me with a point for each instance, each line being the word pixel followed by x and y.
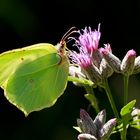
pixel 109 95
pixel 91 97
pixel 126 82
pixel 124 132
pixel 126 79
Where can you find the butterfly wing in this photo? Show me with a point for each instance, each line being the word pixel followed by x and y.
pixel 36 84
pixel 10 60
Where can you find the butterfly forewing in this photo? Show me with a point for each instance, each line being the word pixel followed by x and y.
pixel 10 60
pixel 37 82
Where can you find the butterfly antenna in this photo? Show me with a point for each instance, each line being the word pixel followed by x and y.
pixel 68 33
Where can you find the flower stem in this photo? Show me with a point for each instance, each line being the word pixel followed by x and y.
pixel 91 97
pixel 126 82
pixel 109 95
pixel 124 132
pixel 126 79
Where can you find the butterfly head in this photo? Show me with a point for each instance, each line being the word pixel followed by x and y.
pixel 61 46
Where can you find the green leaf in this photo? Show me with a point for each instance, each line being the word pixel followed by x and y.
pixel 78 129
pixel 136 126
pixel 34 77
pixel 82 81
pixel 126 111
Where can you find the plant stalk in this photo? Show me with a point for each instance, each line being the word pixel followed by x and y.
pixel 126 81
pixel 124 132
pixel 91 97
pixel 109 95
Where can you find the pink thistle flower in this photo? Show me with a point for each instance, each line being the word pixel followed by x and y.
pixel 87 67
pixel 81 59
pixel 88 41
pixel 108 47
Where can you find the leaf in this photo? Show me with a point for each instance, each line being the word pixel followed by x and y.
pixel 135 123
pixel 82 81
pixel 126 111
pixel 136 126
pixel 77 128
pixel 119 126
pixel 35 78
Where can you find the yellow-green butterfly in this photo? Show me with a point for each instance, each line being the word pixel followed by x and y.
pixel 34 77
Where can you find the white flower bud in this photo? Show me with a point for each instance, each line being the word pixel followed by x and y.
pixel 108 47
pixel 97 58
pixel 76 72
pixel 137 65
pixel 136 114
pixel 100 119
pixel 106 130
pixel 127 65
pixel 105 69
pixel 97 129
pixel 93 74
pixel 86 137
pixel 87 123
pixel 112 60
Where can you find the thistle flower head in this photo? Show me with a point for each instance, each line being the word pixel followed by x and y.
pixel 89 57
pixel 81 59
pixel 88 40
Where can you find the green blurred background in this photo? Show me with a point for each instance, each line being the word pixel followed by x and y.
pixel 27 22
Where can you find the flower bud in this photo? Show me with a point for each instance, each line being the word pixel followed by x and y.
pixel 93 74
pixel 87 123
pixel 80 124
pixel 105 69
pixel 112 60
pixel 97 58
pixel 86 137
pixel 76 72
pixel 97 129
pixel 100 119
pixel 127 65
pixel 136 114
pixel 108 47
pixel 137 65
pixel 87 67
pixel 106 130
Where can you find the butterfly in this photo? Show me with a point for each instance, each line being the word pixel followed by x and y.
pixel 34 77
